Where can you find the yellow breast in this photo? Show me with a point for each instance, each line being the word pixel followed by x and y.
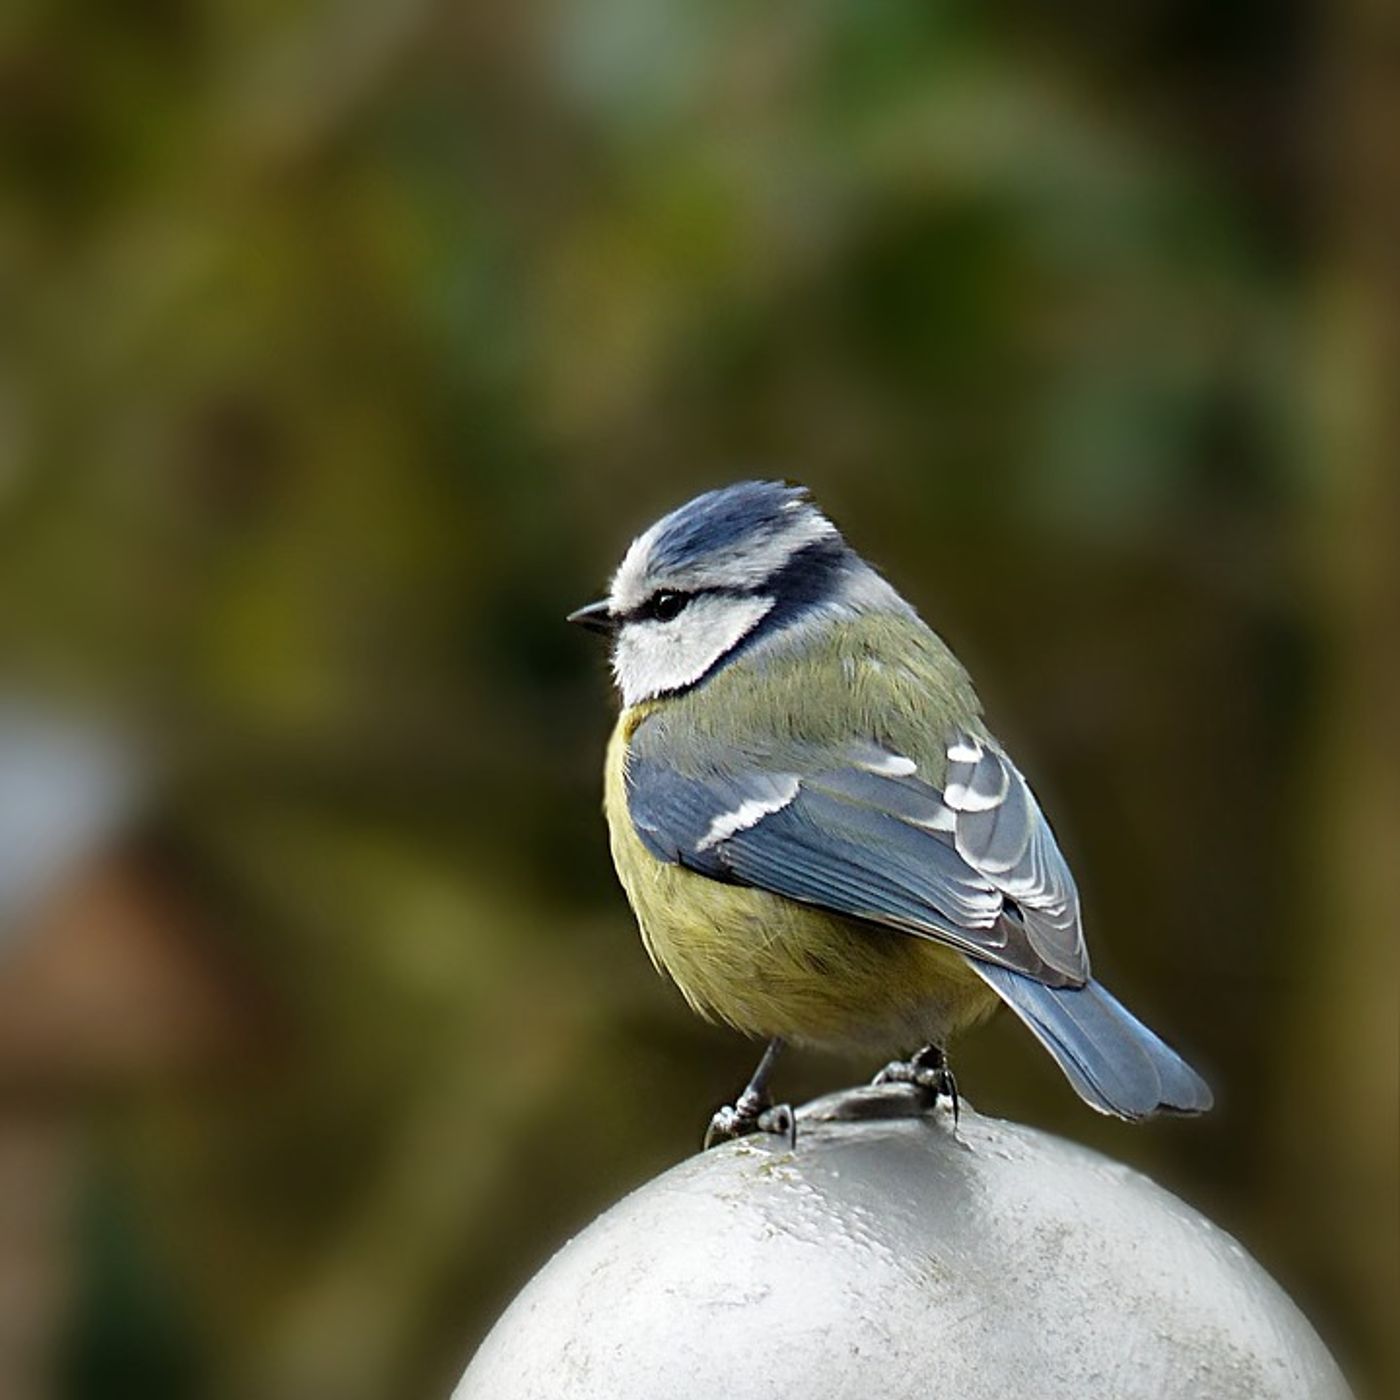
pixel 771 966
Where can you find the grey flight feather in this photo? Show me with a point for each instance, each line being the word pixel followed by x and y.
pixel 1002 833
pixel 849 829
pixel 1116 1064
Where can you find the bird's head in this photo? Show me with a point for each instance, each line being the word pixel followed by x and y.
pixel 729 568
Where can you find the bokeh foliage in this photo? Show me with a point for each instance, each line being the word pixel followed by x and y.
pixel 346 343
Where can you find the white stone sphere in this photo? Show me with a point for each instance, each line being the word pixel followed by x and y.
pixel 886 1258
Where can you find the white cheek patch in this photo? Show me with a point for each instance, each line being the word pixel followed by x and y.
pixel 652 657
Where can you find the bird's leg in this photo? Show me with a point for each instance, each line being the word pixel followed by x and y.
pixel 754 1111
pixel 928 1070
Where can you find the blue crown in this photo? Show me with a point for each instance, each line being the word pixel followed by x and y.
pixel 720 521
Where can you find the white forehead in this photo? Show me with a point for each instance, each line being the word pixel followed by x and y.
pixel 743 563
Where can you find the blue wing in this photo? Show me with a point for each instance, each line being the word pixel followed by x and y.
pixel 856 830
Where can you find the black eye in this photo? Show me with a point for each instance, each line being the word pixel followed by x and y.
pixel 666 605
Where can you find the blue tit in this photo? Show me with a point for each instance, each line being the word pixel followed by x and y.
pixel 821 840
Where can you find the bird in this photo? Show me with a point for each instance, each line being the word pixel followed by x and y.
pixel 822 842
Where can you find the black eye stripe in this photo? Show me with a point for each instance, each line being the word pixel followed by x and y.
pixel 664 605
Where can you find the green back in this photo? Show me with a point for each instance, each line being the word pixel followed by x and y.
pixel 883 677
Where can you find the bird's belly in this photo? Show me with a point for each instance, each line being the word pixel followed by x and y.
pixel 770 966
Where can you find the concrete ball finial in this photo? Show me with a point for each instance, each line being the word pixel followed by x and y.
pixel 886 1257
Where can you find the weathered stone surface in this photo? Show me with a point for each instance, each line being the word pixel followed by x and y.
pixel 887 1259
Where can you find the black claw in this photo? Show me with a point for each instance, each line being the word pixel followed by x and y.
pixel 753 1111
pixel 725 1126
pixel 743 1119
pixel 781 1121
pixel 950 1089
pixel 928 1070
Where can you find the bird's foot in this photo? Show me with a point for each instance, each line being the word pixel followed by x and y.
pixel 927 1071
pixel 740 1119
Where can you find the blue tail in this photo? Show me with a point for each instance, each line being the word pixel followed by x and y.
pixel 1114 1062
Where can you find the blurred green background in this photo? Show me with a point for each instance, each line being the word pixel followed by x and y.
pixel 343 346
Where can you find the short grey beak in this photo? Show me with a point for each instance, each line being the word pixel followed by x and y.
pixel 595 617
